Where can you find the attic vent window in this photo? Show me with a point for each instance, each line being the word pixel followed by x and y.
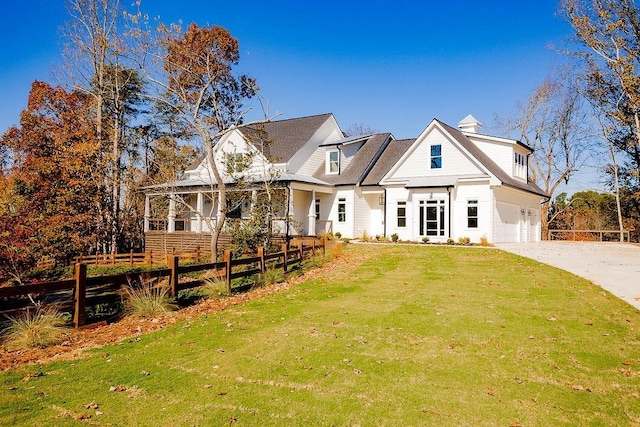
pixel 333 162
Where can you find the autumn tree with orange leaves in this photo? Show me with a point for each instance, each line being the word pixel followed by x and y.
pixel 198 92
pixel 51 195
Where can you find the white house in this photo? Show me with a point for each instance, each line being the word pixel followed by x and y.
pixel 445 184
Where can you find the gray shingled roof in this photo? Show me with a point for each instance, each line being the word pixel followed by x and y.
pixel 359 165
pixel 389 157
pixel 284 137
pixel 493 168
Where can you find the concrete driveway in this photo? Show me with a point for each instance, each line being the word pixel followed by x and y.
pixel 613 266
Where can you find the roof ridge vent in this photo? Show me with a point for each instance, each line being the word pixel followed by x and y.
pixel 469 124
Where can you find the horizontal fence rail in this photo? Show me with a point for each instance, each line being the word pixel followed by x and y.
pixel 589 235
pixel 82 291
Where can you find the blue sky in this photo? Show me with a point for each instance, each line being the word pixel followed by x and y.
pixel 390 65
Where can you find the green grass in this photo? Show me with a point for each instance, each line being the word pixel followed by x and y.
pixel 399 335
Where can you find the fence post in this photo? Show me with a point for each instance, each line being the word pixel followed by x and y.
pixel 323 242
pixel 198 253
pixel 261 255
pixel 131 257
pixel 285 255
pixel 80 296
pixel 301 249
pixel 172 261
pixel 313 247
pixel 226 258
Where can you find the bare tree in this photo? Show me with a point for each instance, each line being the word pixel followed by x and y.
pixel 95 64
pixel 553 123
pixel 192 74
pixel 608 36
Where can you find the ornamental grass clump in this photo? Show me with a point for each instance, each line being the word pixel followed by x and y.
pixel 216 287
pixel 38 328
pixel 272 276
pixel 147 299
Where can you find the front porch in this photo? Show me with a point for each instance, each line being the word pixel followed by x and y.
pixel 183 219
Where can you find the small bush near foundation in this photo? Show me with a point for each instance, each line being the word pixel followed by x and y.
pixel 38 328
pixel 484 241
pixel 425 239
pixel 464 241
pixel 338 235
pixel 394 237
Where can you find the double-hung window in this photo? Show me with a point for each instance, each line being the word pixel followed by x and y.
pixel 402 214
pixel 436 156
pixel 472 214
pixel 333 162
pixel 342 209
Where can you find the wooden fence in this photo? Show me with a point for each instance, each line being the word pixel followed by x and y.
pixel 589 235
pixel 82 291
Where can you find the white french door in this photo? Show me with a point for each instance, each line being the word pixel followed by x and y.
pixel 432 218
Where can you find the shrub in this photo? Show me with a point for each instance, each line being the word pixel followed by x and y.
pixel 338 235
pixel 147 299
pixel 366 237
pixel 38 328
pixel 464 241
pixel 425 239
pixel 450 241
pixel 394 237
pixel 336 251
pixel 484 241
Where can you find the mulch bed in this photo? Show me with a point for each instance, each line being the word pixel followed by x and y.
pixel 97 335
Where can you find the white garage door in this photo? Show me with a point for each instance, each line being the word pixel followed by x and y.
pixel 507 222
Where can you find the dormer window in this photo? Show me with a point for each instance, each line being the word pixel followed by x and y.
pixel 520 165
pixel 333 162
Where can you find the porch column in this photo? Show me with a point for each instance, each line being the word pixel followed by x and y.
pixel 312 214
pixel 290 214
pixel 171 218
pixel 215 212
pixel 147 212
pixel 254 199
pixel 199 211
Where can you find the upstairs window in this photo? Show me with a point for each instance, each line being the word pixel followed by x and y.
pixel 472 214
pixel 236 163
pixel 333 162
pixel 436 156
pixel 520 165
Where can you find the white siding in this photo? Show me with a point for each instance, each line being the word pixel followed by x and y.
pixel 418 163
pixel 517 216
pixel 301 201
pixel 395 194
pixel 345 228
pixel 307 160
pixel 500 152
pixel 362 215
pixel 460 197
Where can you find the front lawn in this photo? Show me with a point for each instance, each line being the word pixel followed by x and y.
pixel 388 335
